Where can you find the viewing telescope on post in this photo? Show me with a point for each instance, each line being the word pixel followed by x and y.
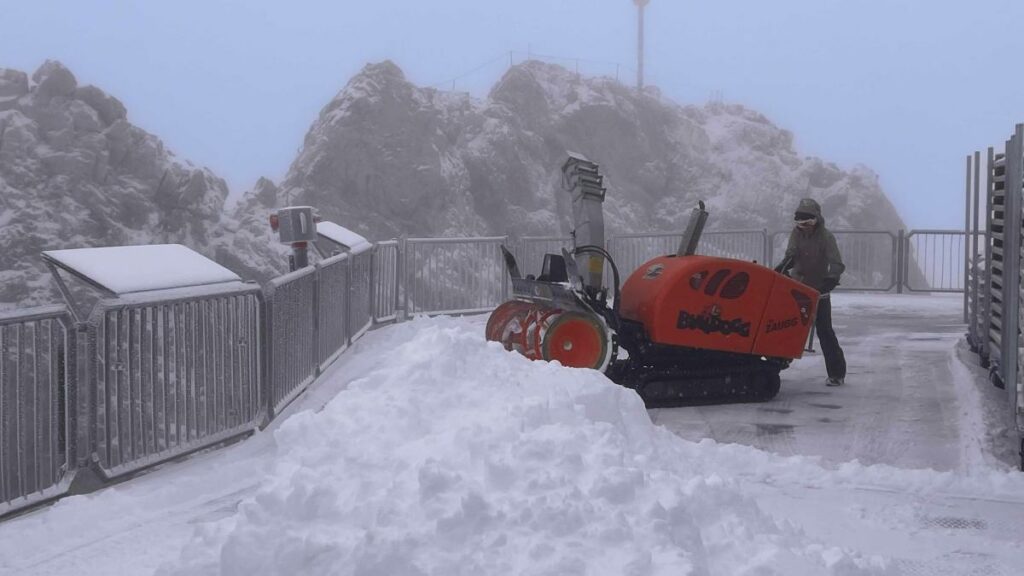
pixel 295 226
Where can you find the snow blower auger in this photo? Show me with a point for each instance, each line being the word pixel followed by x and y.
pixel 693 329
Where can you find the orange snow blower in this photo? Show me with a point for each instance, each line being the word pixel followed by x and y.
pixel 683 329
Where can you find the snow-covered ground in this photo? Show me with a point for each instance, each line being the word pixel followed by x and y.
pixel 427 451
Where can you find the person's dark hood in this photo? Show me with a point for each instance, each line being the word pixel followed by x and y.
pixel 810 206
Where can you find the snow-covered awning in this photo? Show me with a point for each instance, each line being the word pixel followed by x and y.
pixel 344 237
pixel 129 269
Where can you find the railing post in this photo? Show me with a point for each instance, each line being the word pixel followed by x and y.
pixel 989 189
pixel 373 285
pixel 316 318
pixel 347 305
pixel 401 278
pixel 504 273
pixel 900 259
pixel 975 230
pixel 79 390
pixel 767 245
pixel 267 345
pixel 967 232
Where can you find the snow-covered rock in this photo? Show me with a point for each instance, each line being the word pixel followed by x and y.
pixel 386 158
pixel 75 173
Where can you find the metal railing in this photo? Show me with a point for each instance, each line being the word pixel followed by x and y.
pixel 453 275
pixel 993 297
pixel 749 245
pixel 871 257
pixel 939 255
pixel 530 251
pixel 36 454
pixel 386 288
pixel 360 298
pixel 172 374
pixel 313 315
pixel 292 335
pixel 630 251
pixel 334 276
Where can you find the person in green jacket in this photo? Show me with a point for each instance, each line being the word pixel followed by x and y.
pixel 812 257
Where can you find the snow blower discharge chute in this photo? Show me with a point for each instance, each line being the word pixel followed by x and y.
pixel 682 329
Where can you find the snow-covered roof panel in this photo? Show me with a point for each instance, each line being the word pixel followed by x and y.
pixel 341 235
pixel 128 269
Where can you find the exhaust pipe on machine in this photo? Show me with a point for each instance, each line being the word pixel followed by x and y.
pixel 693 232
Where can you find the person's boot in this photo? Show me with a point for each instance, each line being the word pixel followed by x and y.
pixel 834 381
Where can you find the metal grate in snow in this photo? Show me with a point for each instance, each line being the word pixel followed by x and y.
pixel 954 523
pixel 953 564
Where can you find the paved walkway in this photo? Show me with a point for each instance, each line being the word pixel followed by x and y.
pixel 915 398
pixel 908 402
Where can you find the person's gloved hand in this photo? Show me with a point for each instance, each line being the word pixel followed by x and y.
pixel 828 284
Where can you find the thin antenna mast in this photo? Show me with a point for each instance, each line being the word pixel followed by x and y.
pixel 640 4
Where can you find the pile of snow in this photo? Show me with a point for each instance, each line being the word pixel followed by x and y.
pixel 450 456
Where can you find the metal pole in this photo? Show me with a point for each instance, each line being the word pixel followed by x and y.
pixel 504 274
pixel 78 391
pixel 267 346
pixel 76 314
pixel 373 285
pixel 347 304
pixel 1011 264
pixel 901 261
pixel 985 337
pixel 640 4
pixel 974 238
pixel 300 256
pixel 766 252
pixel 967 231
pixel 404 276
pixel 316 320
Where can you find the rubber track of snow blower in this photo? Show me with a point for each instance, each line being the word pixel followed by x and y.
pixel 677 385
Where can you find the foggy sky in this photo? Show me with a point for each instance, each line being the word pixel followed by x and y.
pixel 906 87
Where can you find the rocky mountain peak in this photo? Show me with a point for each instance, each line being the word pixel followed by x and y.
pixel 387 157
pixel 75 173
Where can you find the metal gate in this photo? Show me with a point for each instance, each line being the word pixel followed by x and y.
pixel 36 415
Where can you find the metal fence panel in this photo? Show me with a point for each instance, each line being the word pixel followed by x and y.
pixel 994 253
pixel 292 333
pixel 173 374
pixel 530 251
pixel 35 376
pixel 1012 278
pixel 748 245
pixel 977 303
pixel 360 294
pixel 332 312
pixel 630 251
pixel 939 257
pixel 870 257
pixel 454 275
pixel 385 281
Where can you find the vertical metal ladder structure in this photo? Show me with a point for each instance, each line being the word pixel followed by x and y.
pixel 1006 175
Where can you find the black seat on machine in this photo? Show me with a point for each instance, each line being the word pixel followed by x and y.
pixel 553 269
